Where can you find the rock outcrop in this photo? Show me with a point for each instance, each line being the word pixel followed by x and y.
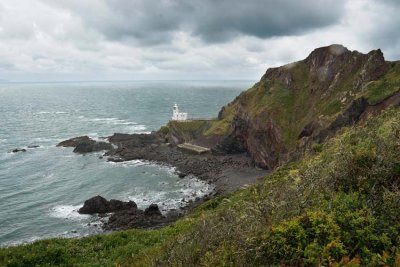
pixel 304 102
pixel 16 150
pixel 73 142
pixel 136 218
pixel 126 215
pixel 84 144
pixel 99 204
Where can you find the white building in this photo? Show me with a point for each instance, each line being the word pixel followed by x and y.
pixel 178 116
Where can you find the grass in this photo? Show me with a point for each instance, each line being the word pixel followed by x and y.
pixel 113 249
pixel 221 127
pixel 377 91
pixel 187 130
pixel 101 250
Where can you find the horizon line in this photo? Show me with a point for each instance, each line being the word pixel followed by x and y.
pixel 110 81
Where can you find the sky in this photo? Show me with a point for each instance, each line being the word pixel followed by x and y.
pixel 106 40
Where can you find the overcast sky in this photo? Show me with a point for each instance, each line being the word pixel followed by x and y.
pixel 50 40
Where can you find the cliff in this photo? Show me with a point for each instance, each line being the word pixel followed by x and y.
pixel 299 104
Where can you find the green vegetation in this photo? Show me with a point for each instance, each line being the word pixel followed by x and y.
pixel 385 87
pixel 100 250
pixel 337 206
pixel 188 130
pixel 190 126
pixel 221 127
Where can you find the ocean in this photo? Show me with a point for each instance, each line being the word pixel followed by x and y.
pixel 42 188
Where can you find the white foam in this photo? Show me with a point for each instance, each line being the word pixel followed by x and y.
pixel 49 176
pixel 131 163
pixel 44 139
pixel 112 120
pixel 104 119
pixel 21 242
pixel 187 189
pixel 52 112
pixel 94 136
pixel 67 212
pixel 136 128
pixel 3 140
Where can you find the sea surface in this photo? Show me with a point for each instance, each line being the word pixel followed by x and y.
pixel 42 188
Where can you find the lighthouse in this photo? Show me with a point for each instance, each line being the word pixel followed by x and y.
pixel 178 116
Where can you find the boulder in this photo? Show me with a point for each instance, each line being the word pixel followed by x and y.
pixel 83 144
pixel 152 210
pixel 136 218
pixel 98 204
pixel 18 150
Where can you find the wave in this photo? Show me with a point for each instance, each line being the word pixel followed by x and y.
pixel 52 112
pixel 128 164
pixel 113 120
pixel 137 128
pixel 69 212
pixel 190 189
pixel 45 139
pixel 129 126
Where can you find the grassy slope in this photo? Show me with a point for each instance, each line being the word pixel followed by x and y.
pixel 387 86
pixel 336 205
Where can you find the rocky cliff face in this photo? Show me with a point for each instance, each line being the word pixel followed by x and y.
pixel 307 101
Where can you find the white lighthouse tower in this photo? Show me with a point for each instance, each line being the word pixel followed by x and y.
pixel 178 116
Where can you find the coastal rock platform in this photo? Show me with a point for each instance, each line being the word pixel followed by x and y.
pixel 226 172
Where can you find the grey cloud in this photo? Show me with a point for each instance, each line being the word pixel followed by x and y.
pixel 385 31
pixel 7 66
pixel 390 2
pixel 223 20
pixel 153 22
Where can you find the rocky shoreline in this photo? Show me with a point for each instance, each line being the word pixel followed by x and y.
pixel 226 172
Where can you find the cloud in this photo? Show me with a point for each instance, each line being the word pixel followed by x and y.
pixel 153 21
pixel 6 66
pixel 224 20
pixel 180 39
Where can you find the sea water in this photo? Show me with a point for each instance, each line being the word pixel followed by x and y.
pixel 42 189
